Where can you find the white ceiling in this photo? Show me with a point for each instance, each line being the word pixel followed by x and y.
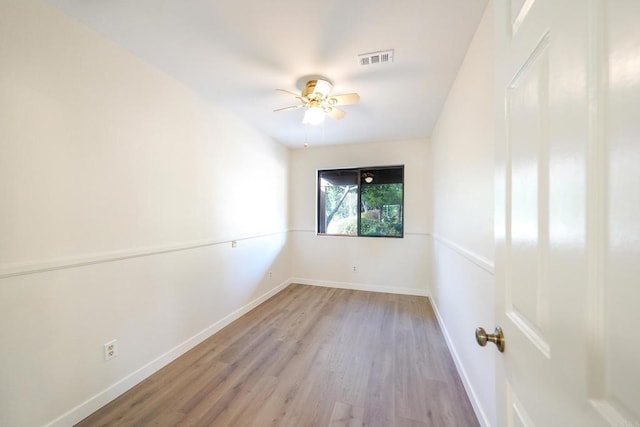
pixel 236 52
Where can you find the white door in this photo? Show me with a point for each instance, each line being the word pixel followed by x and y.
pixel 568 212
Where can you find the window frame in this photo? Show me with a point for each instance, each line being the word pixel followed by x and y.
pixel 359 171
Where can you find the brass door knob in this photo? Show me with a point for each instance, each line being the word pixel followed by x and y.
pixel 497 338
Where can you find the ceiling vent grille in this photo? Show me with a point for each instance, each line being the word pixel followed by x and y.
pixel 374 58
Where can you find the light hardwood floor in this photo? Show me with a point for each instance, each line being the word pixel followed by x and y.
pixel 309 356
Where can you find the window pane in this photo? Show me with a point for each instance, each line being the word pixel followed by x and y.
pixel 338 202
pixel 381 210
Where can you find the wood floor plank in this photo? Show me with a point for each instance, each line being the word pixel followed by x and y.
pixel 379 408
pixel 309 356
pixel 345 415
pixel 404 422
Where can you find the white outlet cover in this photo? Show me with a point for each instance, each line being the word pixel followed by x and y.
pixel 110 350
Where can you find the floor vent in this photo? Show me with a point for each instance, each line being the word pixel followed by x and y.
pixel 376 57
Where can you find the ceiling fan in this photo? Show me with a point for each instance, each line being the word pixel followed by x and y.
pixel 315 97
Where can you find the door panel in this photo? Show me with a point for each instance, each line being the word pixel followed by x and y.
pixel 517 415
pixel 519 10
pixel 614 291
pixel 568 212
pixel 527 145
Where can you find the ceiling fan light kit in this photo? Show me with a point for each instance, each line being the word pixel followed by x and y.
pixel 315 97
pixel 313 116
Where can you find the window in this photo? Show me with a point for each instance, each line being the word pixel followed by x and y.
pixel 361 201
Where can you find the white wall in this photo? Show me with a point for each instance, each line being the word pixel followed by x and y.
pixel 463 166
pixel 383 264
pixel 120 190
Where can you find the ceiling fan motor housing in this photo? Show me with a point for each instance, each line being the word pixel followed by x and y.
pixel 317 89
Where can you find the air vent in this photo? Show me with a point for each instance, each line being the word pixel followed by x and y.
pixel 374 58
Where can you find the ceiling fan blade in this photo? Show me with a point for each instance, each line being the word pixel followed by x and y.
pixel 297 95
pixel 346 99
pixel 293 107
pixel 336 113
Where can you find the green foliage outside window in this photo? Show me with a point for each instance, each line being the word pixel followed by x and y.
pixel 381 215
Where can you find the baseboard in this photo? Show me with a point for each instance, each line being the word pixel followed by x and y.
pixel 473 397
pixel 361 287
pixel 94 403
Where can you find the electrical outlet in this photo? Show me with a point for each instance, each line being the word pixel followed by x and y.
pixel 354 268
pixel 270 275
pixel 234 243
pixel 110 350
